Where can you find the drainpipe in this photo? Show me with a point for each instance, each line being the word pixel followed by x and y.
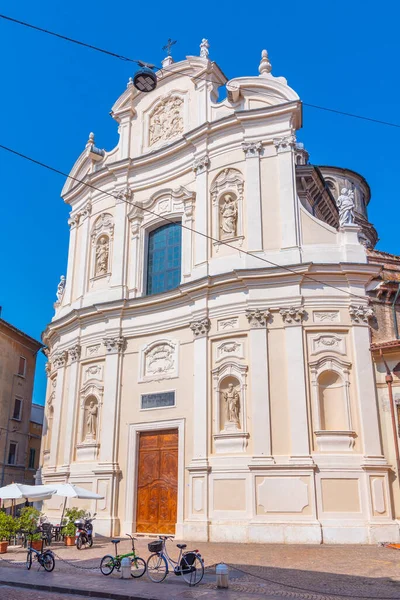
pixel 396 328
pixel 389 381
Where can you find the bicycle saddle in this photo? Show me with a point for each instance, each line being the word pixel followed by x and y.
pixel 181 546
pixel 115 541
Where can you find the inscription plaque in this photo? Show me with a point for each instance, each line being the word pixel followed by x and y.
pixel 158 400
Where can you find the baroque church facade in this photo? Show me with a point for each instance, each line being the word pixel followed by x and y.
pixel 209 370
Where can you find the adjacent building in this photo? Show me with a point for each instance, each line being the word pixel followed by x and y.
pixel 18 353
pixel 209 368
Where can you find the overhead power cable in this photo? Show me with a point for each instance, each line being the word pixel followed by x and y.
pixel 168 220
pixel 136 61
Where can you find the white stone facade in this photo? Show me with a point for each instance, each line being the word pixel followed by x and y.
pixel 286 357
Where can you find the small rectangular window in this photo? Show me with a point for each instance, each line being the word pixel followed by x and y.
pixel 17 409
pixel 162 400
pixel 32 453
pixel 22 366
pixel 12 453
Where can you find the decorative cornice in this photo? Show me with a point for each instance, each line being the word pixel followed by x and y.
pixel 360 313
pixel 285 144
pixel 293 314
pixel 200 327
pixel 114 345
pixel 252 149
pixel 257 318
pixel 201 164
pixel 74 352
pixel 59 359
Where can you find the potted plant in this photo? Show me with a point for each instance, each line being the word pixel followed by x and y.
pixel 28 522
pixel 69 529
pixel 8 528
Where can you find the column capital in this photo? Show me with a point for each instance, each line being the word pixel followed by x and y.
pixel 257 318
pixel 293 314
pixel 200 327
pixel 87 211
pixel 200 165
pixel 114 345
pixel 124 195
pixel 73 221
pixel 360 313
pixel 74 352
pixel 252 149
pixel 59 359
pixel 285 144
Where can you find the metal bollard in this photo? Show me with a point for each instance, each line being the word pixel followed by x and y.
pixel 222 572
pixel 125 568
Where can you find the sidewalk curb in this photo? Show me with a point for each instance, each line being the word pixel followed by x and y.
pixel 58 589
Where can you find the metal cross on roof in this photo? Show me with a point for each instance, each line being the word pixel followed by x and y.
pixel 168 45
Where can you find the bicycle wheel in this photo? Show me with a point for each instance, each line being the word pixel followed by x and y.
pixel 107 565
pixel 79 543
pixel 28 560
pixel 192 568
pixel 157 568
pixel 138 567
pixel 48 562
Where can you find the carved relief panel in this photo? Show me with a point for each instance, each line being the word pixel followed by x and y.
pixel 159 360
pixel 166 119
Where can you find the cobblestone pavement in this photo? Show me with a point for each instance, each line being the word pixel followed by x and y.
pixel 12 593
pixel 295 571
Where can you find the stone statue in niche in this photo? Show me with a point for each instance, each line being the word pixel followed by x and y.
pixel 345 204
pixel 232 402
pixel 229 216
pixel 91 421
pixel 166 122
pixel 102 256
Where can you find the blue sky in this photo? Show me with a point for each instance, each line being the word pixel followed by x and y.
pixel 343 55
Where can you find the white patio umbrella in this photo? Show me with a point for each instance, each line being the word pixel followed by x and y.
pixel 16 491
pixel 69 490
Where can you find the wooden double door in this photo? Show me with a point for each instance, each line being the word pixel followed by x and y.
pixel 157 487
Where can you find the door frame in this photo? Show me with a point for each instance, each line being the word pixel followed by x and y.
pixel 134 431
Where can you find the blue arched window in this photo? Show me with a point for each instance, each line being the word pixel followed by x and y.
pixel 164 258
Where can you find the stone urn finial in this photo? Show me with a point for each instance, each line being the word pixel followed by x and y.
pixel 265 66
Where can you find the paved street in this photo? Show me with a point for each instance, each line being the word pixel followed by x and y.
pixel 259 571
pixel 13 593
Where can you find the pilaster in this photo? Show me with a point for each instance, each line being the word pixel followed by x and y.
pixel 252 152
pixel 74 353
pixel 59 361
pixel 111 399
pixel 259 382
pixel 285 147
pixel 119 240
pixel 73 225
pixel 292 318
pixel 200 167
pixel 365 382
pixel 84 250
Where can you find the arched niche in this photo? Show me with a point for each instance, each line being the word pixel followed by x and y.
pixel 102 242
pixel 230 419
pixel 89 421
pixel 227 199
pixel 331 404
